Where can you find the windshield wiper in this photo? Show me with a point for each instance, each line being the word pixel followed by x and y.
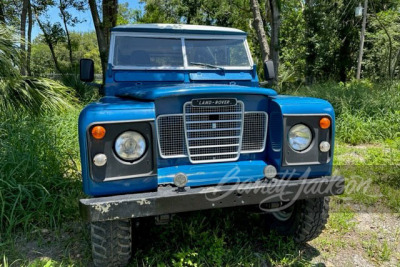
pixel 206 65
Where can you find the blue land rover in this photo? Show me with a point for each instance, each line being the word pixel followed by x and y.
pixel 184 125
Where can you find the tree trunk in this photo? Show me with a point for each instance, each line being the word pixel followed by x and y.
pixel 362 37
pixel 390 46
pixel 64 18
pixel 310 45
pixel 396 62
pixel 25 5
pixel 344 58
pixel 275 29
pixel 259 27
pixel 49 44
pixel 2 17
pixel 110 16
pixel 103 28
pixel 28 56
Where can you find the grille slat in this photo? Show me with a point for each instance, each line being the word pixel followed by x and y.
pixel 212 138
pixel 218 121
pixel 213 146
pixel 212 130
pixel 211 134
pixel 211 113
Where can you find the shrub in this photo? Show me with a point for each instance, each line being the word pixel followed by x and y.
pixel 365 112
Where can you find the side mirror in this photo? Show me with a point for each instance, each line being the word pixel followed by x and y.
pixel 86 70
pixel 269 70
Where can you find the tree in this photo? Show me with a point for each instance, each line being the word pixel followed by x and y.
pixel 259 27
pixel 20 93
pixel 103 27
pixel 275 33
pixel 29 51
pixel 24 12
pixel 310 44
pixel 53 34
pixel 381 60
pixel 2 16
pixel 127 15
pixel 84 46
pixel 362 37
pixel 69 20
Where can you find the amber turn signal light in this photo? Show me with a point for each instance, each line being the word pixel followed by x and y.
pixel 98 132
pixel 325 123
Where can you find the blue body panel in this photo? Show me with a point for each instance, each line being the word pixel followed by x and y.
pixel 218 76
pixel 221 173
pixel 303 105
pixel 151 93
pixel 119 79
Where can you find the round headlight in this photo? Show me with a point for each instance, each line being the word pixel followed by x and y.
pixel 300 137
pixel 130 145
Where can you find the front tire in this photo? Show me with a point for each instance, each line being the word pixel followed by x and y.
pixel 303 221
pixel 111 242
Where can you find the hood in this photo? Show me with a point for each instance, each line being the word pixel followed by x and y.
pixel 151 93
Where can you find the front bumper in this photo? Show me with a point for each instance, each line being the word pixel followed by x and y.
pixel 168 200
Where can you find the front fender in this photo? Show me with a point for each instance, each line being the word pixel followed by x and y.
pixel 282 107
pixel 110 110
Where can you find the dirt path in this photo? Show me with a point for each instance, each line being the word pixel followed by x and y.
pixel 372 239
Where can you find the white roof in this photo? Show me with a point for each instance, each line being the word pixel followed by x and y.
pixel 187 28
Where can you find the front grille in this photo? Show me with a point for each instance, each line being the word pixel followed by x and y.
pixel 213 123
pixel 211 134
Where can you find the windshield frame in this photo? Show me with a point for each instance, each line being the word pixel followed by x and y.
pixel 182 37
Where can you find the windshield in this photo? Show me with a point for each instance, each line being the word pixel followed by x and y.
pixel 216 52
pixel 167 52
pixel 148 52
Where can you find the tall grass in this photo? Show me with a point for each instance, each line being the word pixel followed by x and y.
pixel 39 173
pixel 366 112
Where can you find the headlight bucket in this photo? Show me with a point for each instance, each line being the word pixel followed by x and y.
pixel 120 160
pixel 130 146
pixel 307 154
pixel 300 137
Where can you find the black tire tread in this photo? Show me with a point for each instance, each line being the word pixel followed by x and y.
pixel 111 243
pixel 314 214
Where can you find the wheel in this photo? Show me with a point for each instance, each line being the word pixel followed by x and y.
pixel 111 242
pixel 303 221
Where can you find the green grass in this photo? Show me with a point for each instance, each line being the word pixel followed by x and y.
pixel 214 238
pixel 372 172
pixel 366 112
pixel 39 171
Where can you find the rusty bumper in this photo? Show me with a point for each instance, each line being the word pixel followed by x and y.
pixel 168 200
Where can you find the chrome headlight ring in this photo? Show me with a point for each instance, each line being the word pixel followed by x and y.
pixel 299 137
pixel 130 146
